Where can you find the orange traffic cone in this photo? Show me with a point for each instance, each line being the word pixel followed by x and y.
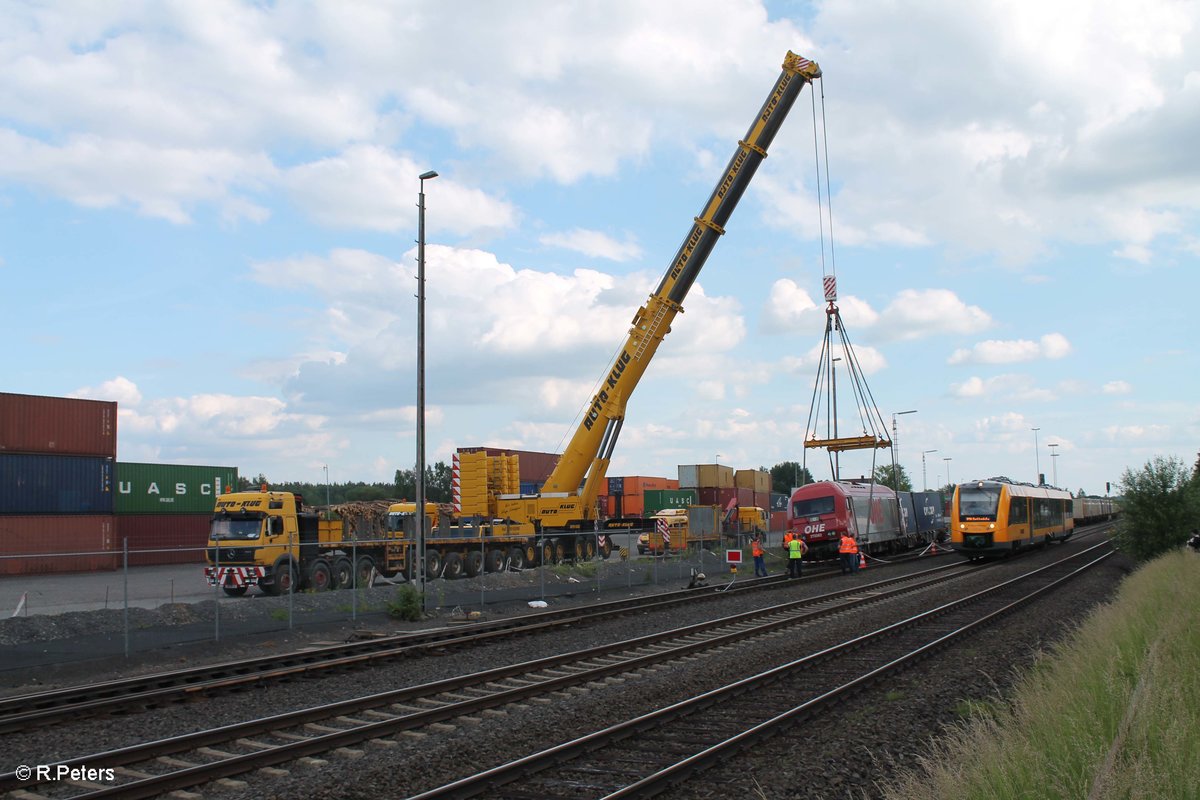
pixel 933 548
pixel 862 560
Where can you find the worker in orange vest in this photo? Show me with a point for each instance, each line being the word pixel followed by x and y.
pixel 848 551
pixel 756 550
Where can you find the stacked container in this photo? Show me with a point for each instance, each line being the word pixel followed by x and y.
pixel 56 484
pixel 163 510
pixel 626 494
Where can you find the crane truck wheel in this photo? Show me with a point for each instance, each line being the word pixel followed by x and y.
pixel 546 553
pixel 606 548
pixel 518 557
pixel 560 552
pixel 453 568
pixel 433 564
pixel 320 576
pixel 474 563
pixel 343 573
pixel 234 591
pixel 494 561
pixel 589 549
pixel 580 550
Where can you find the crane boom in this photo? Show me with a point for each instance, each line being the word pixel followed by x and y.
pixel 585 458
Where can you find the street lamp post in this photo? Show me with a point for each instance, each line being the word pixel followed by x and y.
pixel 1054 461
pixel 1037 458
pixel 924 480
pixel 895 447
pixel 419 516
pixel 948 459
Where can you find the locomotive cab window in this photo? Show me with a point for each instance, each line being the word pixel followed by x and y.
pixel 977 501
pixel 813 507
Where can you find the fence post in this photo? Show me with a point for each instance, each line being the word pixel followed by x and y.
pixel 293 573
pixel 217 590
pixel 354 573
pixel 125 571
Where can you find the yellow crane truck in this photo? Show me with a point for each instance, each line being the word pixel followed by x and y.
pixel 563 515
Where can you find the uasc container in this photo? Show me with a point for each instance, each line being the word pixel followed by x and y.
pixel 170 488
pixel 59 425
pixel 50 484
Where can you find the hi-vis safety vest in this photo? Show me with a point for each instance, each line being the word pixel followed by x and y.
pixel 756 548
pixel 848 545
pixel 795 548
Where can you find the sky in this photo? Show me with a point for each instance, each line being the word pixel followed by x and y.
pixel 209 214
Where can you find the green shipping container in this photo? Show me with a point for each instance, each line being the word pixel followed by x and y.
pixel 170 488
pixel 657 499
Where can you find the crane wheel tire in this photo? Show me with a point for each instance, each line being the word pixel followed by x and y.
pixel 518 557
pixel 580 550
pixel 453 568
pixel 343 573
pixel 474 563
pixel 547 553
pixel 560 552
pixel 433 564
pixel 494 560
pixel 606 548
pixel 235 591
pixel 320 576
pixel 364 569
pixel 589 549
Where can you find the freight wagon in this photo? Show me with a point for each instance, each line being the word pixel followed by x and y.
pixel 821 512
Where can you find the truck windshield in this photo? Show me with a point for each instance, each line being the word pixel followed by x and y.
pixel 978 501
pixel 813 507
pixel 236 529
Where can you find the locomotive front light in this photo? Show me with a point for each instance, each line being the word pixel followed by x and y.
pixel 991 526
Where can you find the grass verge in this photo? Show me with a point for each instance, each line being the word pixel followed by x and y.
pixel 1111 712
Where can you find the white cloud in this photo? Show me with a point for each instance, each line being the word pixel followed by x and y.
pixel 120 390
pixel 1003 387
pixel 594 244
pixel 996 351
pixel 1117 387
pixel 924 312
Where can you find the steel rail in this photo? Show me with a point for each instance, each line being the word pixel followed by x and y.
pixel 673 774
pixel 534 678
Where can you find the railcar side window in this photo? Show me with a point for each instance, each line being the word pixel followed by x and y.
pixel 1018 511
pixel 974 501
pixel 813 507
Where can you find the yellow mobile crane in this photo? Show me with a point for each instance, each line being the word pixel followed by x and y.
pixel 566 503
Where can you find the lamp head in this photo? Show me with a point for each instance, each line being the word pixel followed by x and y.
pixel 427 175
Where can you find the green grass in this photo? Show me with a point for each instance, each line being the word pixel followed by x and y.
pixel 1113 712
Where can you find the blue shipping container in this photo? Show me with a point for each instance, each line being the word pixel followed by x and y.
pixel 48 484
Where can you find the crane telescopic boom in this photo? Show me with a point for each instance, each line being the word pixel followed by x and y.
pixel 585 459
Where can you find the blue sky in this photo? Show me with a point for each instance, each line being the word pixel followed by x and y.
pixel 208 214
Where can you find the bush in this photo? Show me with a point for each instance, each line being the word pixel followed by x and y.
pixel 1159 508
pixel 406 605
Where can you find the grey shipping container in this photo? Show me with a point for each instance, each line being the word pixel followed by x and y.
pixel 46 484
pixel 170 488
pixel 779 502
pixel 57 425
pixel 908 517
pixel 928 507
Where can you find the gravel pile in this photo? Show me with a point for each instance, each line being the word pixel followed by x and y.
pixel 845 754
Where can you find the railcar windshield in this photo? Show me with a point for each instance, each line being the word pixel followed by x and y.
pixel 978 501
pixel 235 528
pixel 813 506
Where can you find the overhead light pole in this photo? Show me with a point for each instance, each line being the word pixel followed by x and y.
pixel 1037 458
pixel 948 459
pixel 924 480
pixel 896 446
pixel 419 515
pixel 1054 461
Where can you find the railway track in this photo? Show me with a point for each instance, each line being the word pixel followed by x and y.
pixel 24 711
pixel 647 755
pixel 152 768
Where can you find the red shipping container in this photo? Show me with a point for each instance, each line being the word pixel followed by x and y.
pixel 179 538
pixel 60 425
pixel 762 500
pixel 627 505
pixel 70 543
pixel 778 520
pixel 712 496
